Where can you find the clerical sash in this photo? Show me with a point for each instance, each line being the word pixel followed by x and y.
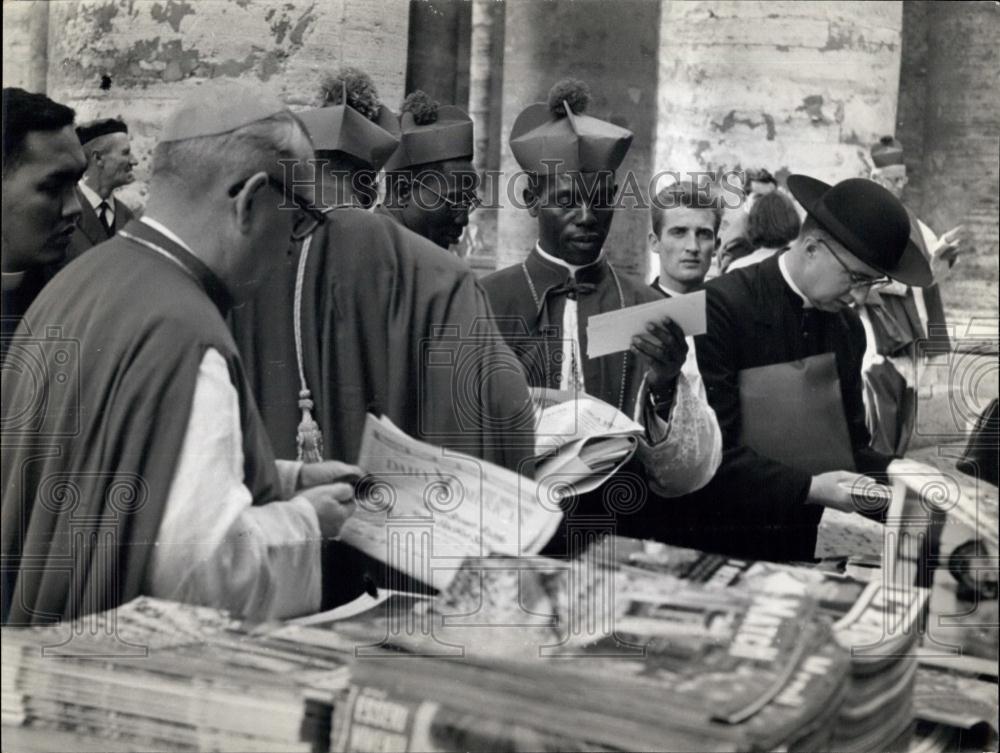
pixel 794 413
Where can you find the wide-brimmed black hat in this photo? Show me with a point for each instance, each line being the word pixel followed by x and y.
pixel 868 221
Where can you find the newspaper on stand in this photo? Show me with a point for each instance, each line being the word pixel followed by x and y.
pixel 424 509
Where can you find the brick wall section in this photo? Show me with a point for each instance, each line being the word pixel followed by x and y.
pixel 610 45
pixel 136 58
pixel 961 149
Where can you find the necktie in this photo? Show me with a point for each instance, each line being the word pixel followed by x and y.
pixel 102 214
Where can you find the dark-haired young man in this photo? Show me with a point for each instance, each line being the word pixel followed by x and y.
pixel 109 166
pixel 430 182
pixel 42 162
pixel 684 235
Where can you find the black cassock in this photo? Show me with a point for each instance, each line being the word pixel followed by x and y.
pixel 755 506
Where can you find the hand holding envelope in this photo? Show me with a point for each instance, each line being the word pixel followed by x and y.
pixel 613 332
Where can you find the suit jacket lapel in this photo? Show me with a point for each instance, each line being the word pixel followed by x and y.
pixel 89 222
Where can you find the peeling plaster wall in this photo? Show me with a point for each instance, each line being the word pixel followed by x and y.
pixel 135 58
pixel 610 45
pixel 790 86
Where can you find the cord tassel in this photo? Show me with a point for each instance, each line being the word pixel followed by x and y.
pixel 309 438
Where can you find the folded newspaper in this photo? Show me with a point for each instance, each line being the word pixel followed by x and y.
pixel 423 509
pixel 579 441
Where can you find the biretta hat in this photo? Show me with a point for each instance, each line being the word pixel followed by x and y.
pixel 558 137
pixel 353 120
pixel 87 132
pixel 868 221
pixel 431 133
pixel 219 107
pixel 887 152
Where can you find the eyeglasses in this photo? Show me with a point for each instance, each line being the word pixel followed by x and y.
pixel 308 218
pixel 466 206
pixel 858 280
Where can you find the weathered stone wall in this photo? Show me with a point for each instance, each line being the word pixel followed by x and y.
pixel 790 86
pixel 135 58
pixel 610 45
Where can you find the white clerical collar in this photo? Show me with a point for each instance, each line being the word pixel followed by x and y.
pixel 13 280
pixel 164 230
pixel 574 268
pixel 665 290
pixel 91 195
pixel 783 266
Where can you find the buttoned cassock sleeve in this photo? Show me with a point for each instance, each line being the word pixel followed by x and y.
pixel 214 547
pixel 681 455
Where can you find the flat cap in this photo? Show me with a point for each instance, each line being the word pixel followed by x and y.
pixel 87 132
pixel 218 107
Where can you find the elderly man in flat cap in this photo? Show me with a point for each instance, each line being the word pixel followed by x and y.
pixel 153 448
pixel 781 362
pixel 544 303
pixel 898 316
pixel 109 166
pixel 42 162
pixel 430 182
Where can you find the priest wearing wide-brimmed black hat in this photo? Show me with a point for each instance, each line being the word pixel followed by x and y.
pixel 789 310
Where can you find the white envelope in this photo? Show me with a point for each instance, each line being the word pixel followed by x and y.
pixel 613 332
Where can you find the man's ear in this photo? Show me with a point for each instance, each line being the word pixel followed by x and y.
pixel 249 199
pixel 725 259
pixel 654 243
pixel 404 189
pixel 530 198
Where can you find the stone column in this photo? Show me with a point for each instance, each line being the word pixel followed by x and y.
pixel 789 86
pixel 135 60
pixel 961 147
pixel 26 45
pixel 610 45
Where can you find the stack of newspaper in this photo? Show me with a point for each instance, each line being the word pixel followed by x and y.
pixel 163 675
pixel 876 622
pixel 535 654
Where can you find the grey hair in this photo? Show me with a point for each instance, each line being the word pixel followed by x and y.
pixel 258 147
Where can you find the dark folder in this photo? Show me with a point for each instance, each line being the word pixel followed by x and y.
pixel 793 412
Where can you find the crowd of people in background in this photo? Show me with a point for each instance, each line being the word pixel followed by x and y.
pixel 241 316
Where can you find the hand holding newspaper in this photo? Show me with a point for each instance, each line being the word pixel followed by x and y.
pixel 424 509
pixel 580 441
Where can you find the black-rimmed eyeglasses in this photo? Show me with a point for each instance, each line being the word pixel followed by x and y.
pixel 308 217
pixel 858 281
pixel 466 205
